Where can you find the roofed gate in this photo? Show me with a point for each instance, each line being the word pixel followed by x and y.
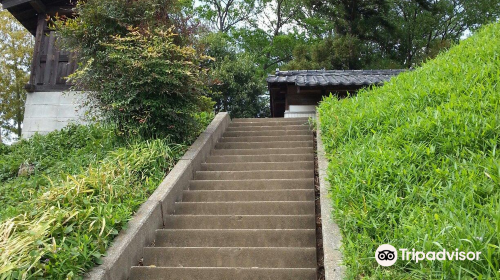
pixel 296 93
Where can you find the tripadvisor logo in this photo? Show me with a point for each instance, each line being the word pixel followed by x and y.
pixel 387 255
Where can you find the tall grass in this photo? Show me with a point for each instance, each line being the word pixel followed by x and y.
pixel 415 164
pixel 51 157
pixel 57 222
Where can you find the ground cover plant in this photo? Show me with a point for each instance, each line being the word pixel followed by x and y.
pixel 78 188
pixel 415 164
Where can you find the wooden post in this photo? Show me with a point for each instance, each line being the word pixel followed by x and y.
pixel 49 65
pixel 35 63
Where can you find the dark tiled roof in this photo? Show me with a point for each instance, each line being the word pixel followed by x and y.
pixel 333 77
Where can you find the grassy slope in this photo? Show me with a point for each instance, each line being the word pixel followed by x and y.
pixel 415 164
pixel 63 152
pixel 57 223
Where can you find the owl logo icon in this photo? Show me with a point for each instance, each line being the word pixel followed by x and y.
pixel 386 255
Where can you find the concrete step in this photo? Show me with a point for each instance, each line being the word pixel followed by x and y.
pixel 267 138
pixel 269 123
pixel 264 120
pixel 268 128
pixel 248 166
pixel 240 222
pixel 274 195
pixel 279 184
pixel 256 174
pixel 210 273
pixel 248 214
pixel 264 151
pixel 236 238
pixel 268 133
pixel 230 257
pixel 259 145
pixel 245 208
pixel 260 158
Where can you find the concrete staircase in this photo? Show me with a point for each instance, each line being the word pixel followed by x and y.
pixel 248 214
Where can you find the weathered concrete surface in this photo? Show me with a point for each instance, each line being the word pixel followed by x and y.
pixel 267 128
pixel 170 190
pixel 255 174
pixel 267 184
pixel 267 138
pixel 266 120
pixel 268 123
pixel 231 257
pixel 48 111
pixel 268 133
pixel 251 208
pixel 248 195
pixel 245 215
pixel 231 273
pixel 246 208
pixel 248 166
pixel 260 158
pixel 236 238
pixel 268 151
pixel 332 238
pixel 240 221
pixel 127 249
pixel 218 127
pixel 258 145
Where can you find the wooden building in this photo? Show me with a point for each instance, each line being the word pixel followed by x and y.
pixel 296 93
pixel 49 104
pixel 50 66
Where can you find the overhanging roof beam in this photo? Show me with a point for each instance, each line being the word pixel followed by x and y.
pixel 36 4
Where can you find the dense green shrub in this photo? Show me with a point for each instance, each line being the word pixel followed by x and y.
pixel 4 149
pixel 236 87
pixel 135 68
pixel 415 164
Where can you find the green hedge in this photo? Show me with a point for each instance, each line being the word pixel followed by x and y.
pixel 415 163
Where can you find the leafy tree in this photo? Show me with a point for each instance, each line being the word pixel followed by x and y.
pixel 15 57
pixel 239 90
pixel 355 24
pixel 235 85
pixel 137 71
pixel 224 15
pixel 278 15
pixel 388 33
pixel 341 52
pixel 270 51
pixel 425 27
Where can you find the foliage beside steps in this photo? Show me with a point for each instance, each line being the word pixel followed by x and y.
pixel 57 220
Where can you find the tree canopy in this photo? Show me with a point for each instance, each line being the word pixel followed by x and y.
pixel 15 58
pixel 351 34
pixel 335 34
